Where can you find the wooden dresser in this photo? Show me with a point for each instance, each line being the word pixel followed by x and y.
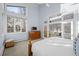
pixel 34 35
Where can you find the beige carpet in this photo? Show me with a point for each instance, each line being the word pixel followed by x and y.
pixel 20 49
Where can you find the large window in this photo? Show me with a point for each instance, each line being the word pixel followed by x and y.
pixel 68 25
pixel 61 26
pixel 16 23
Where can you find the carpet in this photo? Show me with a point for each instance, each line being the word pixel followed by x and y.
pixel 20 49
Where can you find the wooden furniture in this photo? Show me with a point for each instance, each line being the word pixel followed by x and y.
pixel 34 35
pixel 30 47
pixel 9 43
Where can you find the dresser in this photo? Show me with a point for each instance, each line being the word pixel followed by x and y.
pixel 34 35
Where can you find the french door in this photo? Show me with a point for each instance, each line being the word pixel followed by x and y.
pixel 68 30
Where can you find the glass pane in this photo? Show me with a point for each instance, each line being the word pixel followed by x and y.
pixel 10 24
pixel 18 10
pixel 55 30
pixel 23 25
pixel 17 28
pixel 68 16
pixel 13 9
pixel 15 24
pixel 67 30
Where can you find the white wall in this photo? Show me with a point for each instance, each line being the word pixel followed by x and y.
pixel 35 16
pixel 32 20
pixel 46 12
pixel 16 36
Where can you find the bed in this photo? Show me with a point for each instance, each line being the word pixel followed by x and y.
pixel 53 47
pixel 1 45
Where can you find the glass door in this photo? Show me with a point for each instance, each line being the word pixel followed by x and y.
pixel 68 30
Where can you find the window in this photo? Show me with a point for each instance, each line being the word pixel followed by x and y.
pixel 16 23
pixel 62 25
pixel 55 26
pixel 16 9
pixel 55 30
pixel 67 30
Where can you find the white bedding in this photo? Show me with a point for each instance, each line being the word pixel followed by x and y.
pixel 53 47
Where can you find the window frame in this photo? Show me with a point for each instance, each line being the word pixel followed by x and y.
pixel 51 21
pixel 7 13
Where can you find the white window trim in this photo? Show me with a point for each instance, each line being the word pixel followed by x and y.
pixel 68 20
pixel 15 15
